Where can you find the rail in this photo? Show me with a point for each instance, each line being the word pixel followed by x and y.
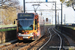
pixel 60 40
pixel 48 40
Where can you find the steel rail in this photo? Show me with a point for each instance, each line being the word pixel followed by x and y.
pixel 48 40
pixel 60 39
pixel 68 38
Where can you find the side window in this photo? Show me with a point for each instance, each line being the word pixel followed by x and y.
pixel 35 24
pixel 35 21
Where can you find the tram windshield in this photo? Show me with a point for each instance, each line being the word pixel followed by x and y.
pixel 25 21
pixel 25 24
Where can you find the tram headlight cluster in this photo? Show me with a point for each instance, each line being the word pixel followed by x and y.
pixel 19 33
pixel 31 34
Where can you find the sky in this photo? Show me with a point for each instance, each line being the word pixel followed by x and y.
pixel 68 11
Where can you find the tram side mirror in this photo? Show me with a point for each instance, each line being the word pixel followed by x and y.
pixel 16 19
pixel 14 22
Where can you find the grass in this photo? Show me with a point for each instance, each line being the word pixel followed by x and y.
pixel 1 30
pixel 72 48
pixel 49 24
pixel 71 28
pixel 7 25
pixel 8 29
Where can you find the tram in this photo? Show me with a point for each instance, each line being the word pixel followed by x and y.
pixel 29 26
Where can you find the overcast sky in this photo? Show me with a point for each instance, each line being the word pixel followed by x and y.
pixel 68 11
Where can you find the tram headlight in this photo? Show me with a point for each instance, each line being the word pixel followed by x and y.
pixel 31 34
pixel 19 33
pixel 22 31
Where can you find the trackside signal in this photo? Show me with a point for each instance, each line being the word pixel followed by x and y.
pixel 46 19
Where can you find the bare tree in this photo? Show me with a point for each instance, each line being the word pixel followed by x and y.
pixel 9 10
pixel 67 3
pixel 9 2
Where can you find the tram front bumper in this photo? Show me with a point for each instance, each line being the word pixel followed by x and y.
pixel 25 36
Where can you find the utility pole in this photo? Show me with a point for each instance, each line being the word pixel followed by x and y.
pixel 55 14
pixel 24 5
pixel 58 18
pixel 61 16
pixel 52 19
pixel 64 18
pixel 61 24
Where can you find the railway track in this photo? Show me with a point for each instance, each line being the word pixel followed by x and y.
pixel 51 35
pixel 48 40
pixel 60 39
pixel 55 42
pixel 15 46
pixel 71 42
pixel 51 40
pixel 64 42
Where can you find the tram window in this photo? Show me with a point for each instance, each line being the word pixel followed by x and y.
pixel 35 21
pixel 35 24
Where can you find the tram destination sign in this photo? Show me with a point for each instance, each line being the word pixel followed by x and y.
pixel 25 15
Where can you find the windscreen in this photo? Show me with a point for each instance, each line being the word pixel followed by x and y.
pixel 25 21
